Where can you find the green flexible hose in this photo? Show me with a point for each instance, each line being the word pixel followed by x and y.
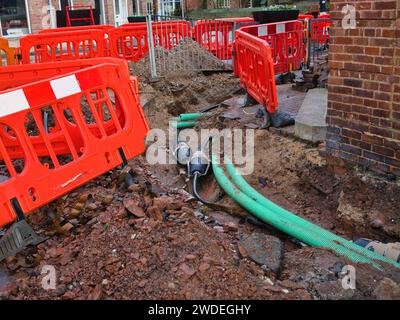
pixel 259 198
pixel 190 116
pixel 184 124
pixel 305 234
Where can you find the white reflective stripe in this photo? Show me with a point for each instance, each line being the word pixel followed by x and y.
pixel 13 102
pixel 262 31
pixel 281 28
pixel 65 87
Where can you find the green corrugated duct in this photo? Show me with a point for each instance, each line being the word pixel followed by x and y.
pixel 190 116
pixel 259 198
pixel 283 220
pixel 184 124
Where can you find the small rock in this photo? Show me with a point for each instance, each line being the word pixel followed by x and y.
pixel 387 289
pixel 377 223
pixel 65 228
pixel 92 206
pixel 53 253
pixel 262 181
pixel 171 286
pixel 264 250
pixel 66 280
pixel 105 282
pixel 142 283
pixel 204 267
pixel 211 261
pixel 219 229
pixel 74 213
pixel 7 291
pixel 155 213
pixel 65 259
pixel 134 221
pixel 135 188
pixel 97 293
pixel 162 202
pixel 231 226
pixel 69 295
pixel 243 252
pixel 108 199
pixel 187 270
pixel 190 257
pixel 133 207
pixel 273 288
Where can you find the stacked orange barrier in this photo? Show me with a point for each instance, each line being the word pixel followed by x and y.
pixel 9 53
pixel 104 28
pixel 96 121
pixel 62 46
pixel 255 66
pixel 217 35
pixel 130 40
pixel 286 40
pixel 320 31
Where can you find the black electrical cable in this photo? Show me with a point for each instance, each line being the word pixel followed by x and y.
pixel 211 108
pixel 196 193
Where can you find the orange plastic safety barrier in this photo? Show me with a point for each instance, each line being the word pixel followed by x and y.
pixel 320 31
pixel 95 121
pixel 16 76
pixel 305 16
pixel 62 46
pixel 286 40
pixel 217 35
pixel 254 65
pixel 130 40
pixel 104 28
pixel 10 54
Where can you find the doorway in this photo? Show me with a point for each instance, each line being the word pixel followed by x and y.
pixel 14 19
pixel 121 12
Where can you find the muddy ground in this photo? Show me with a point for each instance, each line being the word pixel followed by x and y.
pixel 153 240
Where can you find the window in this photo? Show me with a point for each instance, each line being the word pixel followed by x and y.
pixel 13 15
pixel 65 3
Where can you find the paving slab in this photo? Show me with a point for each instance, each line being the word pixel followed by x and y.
pixel 311 119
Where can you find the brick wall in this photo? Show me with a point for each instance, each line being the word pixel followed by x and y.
pixel 364 88
pixel 194 4
pixel 37 14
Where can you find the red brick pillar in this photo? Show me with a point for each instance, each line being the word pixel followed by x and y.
pixel 364 87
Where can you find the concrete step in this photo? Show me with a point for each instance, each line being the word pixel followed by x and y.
pixel 311 119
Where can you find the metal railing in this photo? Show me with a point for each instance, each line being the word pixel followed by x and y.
pixel 318 41
pixel 177 44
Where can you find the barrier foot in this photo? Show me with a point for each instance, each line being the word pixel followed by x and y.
pixel 18 237
pixel 249 101
pixel 267 122
pixel 129 179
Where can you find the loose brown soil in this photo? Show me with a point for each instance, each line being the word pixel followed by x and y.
pixel 155 241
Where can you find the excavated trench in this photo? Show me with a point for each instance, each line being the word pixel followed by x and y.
pixel 154 240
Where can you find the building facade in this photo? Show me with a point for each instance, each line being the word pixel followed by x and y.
pixel 20 17
pixel 364 87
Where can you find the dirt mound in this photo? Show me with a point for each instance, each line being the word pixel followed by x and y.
pixel 187 56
